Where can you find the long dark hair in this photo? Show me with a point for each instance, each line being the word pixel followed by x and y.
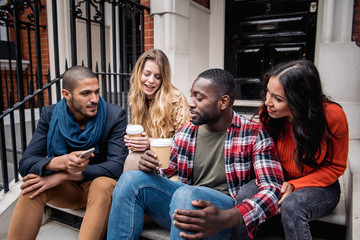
pixel 302 86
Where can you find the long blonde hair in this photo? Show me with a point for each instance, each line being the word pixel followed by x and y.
pixel 155 115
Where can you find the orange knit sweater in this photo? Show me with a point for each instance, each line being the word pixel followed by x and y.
pixel 325 175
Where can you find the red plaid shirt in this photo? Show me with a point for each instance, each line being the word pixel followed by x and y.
pixel 249 153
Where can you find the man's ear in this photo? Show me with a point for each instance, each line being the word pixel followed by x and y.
pixel 66 94
pixel 224 101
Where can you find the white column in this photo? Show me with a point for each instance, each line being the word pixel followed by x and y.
pixel 63 13
pixel 217 34
pixel 328 22
pixel 338 59
pixel 171 30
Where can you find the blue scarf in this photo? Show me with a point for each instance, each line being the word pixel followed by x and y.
pixel 65 132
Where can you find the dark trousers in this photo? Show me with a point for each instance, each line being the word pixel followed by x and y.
pixel 298 209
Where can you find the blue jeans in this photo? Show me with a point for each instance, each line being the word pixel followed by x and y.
pixel 137 193
pixel 300 207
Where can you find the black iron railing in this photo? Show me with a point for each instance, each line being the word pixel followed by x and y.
pixel 27 90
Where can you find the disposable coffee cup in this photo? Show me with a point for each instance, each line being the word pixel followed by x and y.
pixel 134 130
pixel 161 146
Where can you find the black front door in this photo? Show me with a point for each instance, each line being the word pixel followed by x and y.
pixel 261 33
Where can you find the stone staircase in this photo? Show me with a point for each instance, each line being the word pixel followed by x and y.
pixel 59 223
pixel 343 223
pixel 64 217
pixel 62 223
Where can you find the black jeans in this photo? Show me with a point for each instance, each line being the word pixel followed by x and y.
pixel 307 204
pixel 298 209
pixel 246 191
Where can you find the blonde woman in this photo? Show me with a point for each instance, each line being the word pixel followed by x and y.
pixel 155 104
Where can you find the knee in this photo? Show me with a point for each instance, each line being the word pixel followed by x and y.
pixel 129 182
pixel 293 207
pixel 25 200
pixel 103 185
pixel 183 197
pixel 187 192
pixel 132 161
pixel 247 191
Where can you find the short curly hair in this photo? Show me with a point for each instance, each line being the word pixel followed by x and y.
pixel 222 80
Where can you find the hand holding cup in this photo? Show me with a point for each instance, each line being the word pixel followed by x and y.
pixel 136 139
pixel 148 162
pixel 161 147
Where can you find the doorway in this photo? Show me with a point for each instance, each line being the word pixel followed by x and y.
pixel 261 33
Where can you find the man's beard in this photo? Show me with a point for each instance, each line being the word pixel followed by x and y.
pixel 82 110
pixel 205 119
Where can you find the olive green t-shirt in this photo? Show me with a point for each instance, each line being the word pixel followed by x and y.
pixel 209 161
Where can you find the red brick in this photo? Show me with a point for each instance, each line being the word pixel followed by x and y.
pixel 205 3
pixel 356 28
pixel 357 5
pixel 356 37
pixel 145 2
pixel 357 16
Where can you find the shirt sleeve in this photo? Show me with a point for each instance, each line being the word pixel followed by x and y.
pixel 327 174
pixel 269 175
pixel 34 157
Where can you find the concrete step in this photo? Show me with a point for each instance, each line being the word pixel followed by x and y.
pixel 66 220
pixel 57 231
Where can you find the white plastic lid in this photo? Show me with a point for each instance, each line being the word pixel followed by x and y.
pixel 161 142
pixel 134 129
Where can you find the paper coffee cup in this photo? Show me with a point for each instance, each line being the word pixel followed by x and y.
pixel 134 130
pixel 161 146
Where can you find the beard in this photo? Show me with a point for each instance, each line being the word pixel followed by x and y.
pixel 205 118
pixel 82 109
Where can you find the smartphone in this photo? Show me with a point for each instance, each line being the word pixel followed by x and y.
pixel 87 153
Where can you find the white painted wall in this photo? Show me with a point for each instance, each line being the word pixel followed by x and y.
pixel 199 40
pixel 171 34
pixel 338 58
pixel 191 35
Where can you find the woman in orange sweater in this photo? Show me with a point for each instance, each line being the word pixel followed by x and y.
pixel 311 136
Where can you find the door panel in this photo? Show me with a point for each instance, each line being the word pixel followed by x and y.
pixel 285 52
pixel 261 33
pixel 249 65
pixel 249 61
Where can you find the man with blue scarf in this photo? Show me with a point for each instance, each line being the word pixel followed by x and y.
pixel 53 170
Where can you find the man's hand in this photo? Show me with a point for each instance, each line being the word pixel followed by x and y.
pixel 205 222
pixel 148 162
pixel 43 183
pixel 75 164
pixel 33 182
pixel 71 163
pixel 286 189
pixel 138 144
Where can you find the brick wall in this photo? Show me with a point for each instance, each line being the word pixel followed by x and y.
pixel 44 45
pixel 205 3
pixel 27 49
pixel 149 27
pixel 149 22
pixel 356 22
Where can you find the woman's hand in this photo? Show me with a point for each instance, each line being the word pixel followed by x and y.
pixel 137 144
pixel 286 189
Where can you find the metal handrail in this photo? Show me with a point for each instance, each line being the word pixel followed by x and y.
pixel 29 97
pixel 31 90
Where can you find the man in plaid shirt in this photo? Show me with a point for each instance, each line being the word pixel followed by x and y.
pixel 214 155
